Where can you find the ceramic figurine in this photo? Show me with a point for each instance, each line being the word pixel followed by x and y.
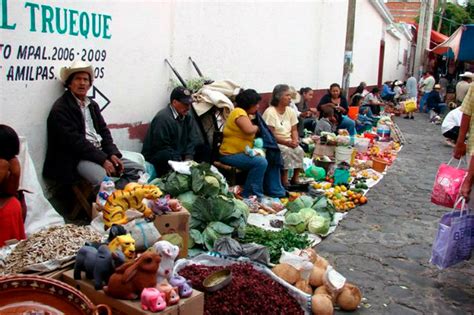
pixel 130 197
pixel 129 280
pixel 168 253
pixel 126 243
pixel 161 206
pixel 98 264
pixel 152 299
pixel 107 187
pixel 175 205
pixel 184 286
pixel 115 231
pixel 171 293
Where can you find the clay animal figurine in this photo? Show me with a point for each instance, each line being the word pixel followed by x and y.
pixel 152 299
pixel 115 231
pixel 184 286
pixel 175 205
pixel 107 187
pixel 161 206
pixel 98 264
pixel 125 243
pixel 171 293
pixel 257 148
pixel 130 197
pixel 168 253
pixel 131 278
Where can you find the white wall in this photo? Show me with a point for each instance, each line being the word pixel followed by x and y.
pixel 255 43
pixel 368 30
pixel 393 67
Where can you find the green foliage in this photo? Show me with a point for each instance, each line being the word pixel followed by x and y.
pixel 454 15
pixel 194 84
pixel 275 241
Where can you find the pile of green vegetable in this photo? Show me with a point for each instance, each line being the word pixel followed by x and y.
pixel 308 214
pixel 276 241
pixel 215 213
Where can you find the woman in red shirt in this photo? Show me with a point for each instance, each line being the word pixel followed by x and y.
pixel 11 218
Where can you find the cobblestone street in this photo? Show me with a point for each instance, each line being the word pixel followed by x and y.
pixel 384 247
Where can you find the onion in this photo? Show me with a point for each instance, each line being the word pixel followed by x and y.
pixel 287 272
pixel 321 305
pixel 309 253
pixel 349 298
pixel 321 262
pixel 325 290
pixel 316 277
pixel 304 286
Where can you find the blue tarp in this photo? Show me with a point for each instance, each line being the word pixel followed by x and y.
pixel 466 44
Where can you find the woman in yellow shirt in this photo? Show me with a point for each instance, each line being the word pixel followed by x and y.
pixel 239 132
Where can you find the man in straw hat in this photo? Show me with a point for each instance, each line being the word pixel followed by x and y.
pixel 79 142
pixel 463 86
pixel 173 134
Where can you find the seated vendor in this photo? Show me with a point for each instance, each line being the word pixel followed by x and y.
pixel 361 119
pixel 282 121
pixel 79 142
pixel 173 133
pixel 339 103
pixel 307 114
pixel 11 222
pixel 373 102
pixel 451 125
pixel 435 104
pixel 239 134
pixel 327 122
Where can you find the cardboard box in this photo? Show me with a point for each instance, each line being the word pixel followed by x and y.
pixel 175 222
pixel 194 305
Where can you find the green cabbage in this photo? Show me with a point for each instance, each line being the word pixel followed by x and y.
pixel 195 237
pixel 295 223
pixel 307 214
pixel 214 231
pixel 299 203
pixel 242 206
pixel 318 225
pixel 177 183
pixel 187 199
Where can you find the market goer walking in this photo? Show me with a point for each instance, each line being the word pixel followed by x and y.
pixel 173 133
pixel 79 142
pixel 463 86
pixel 467 122
pixel 426 87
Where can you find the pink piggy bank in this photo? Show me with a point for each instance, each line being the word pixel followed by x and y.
pixel 152 299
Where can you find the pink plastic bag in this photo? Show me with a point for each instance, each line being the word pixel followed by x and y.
pixel 447 184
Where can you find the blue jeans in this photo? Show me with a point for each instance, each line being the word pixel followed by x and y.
pixel 347 123
pixel 423 101
pixel 272 182
pixel 256 167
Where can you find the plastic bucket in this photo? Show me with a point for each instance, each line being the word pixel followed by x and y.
pixel 383 132
pixel 362 144
pixel 379 165
pixel 344 154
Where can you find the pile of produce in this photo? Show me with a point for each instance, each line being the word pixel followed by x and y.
pixel 347 199
pixel 215 213
pixel 55 243
pixel 320 284
pixel 308 214
pixel 250 292
pixel 275 241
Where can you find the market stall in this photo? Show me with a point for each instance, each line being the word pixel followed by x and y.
pixel 188 243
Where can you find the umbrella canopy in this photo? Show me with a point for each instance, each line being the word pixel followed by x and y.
pixel 460 45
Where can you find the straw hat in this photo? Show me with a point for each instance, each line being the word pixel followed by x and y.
pixel 398 82
pixel 467 74
pixel 77 66
pixel 437 86
pixel 295 96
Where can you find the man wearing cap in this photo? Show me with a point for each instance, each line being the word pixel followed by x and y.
pixel 463 86
pixel 79 142
pixel 435 104
pixel 426 87
pixel 173 133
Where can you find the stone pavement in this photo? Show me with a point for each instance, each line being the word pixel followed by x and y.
pixel 384 246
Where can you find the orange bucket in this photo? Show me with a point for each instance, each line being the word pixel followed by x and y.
pixel 379 165
pixel 353 112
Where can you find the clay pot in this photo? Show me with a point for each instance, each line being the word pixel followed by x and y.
pixel 29 293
